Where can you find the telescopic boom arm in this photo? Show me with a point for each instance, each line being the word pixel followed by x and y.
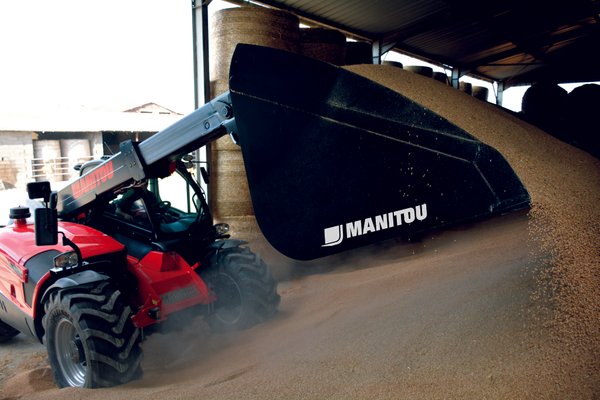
pixel 151 157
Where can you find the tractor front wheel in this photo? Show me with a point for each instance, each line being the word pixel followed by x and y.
pixel 244 287
pixel 90 338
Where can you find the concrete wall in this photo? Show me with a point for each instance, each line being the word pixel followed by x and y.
pixel 16 152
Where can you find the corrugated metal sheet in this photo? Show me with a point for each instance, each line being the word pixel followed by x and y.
pixel 557 38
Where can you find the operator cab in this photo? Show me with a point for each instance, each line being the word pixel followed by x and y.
pixel 160 213
pixel 167 205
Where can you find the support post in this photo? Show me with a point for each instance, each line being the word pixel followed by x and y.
pixel 377 51
pixel 455 77
pixel 500 93
pixel 201 75
pixel 201 59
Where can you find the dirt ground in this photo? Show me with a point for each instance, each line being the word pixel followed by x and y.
pixel 450 316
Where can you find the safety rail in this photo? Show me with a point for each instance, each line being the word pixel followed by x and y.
pixel 55 169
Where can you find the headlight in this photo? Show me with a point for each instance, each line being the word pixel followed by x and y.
pixel 221 229
pixel 66 260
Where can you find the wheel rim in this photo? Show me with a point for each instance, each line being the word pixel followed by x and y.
pixel 69 353
pixel 228 307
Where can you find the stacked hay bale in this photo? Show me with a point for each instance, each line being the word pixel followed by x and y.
pixel 359 53
pixel 252 25
pixel 47 154
pixel 582 121
pixel 571 117
pixel 441 77
pixel 323 44
pixel 229 194
pixel 421 70
pixel 480 92
pixel 393 64
pixel 465 87
pixel 544 104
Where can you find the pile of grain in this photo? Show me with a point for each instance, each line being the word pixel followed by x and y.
pixel 564 184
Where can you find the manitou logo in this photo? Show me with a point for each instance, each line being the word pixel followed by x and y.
pixel 91 180
pixel 335 234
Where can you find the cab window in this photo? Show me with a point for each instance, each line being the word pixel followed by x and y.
pixel 131 207
pixel 175 190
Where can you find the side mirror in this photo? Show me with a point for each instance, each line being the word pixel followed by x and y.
pixel 46 219
pixel 38 190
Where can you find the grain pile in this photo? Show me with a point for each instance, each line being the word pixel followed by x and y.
pixel 564 184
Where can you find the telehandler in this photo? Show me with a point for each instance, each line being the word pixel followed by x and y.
pixel 333 161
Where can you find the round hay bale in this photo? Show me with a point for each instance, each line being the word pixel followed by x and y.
pixel 74 151
pixel 218 86
pixel 229 192
pixel 420 69
pixel 582 122
pixel 252 25
pixel 48 160
pixel 359 53
pixel 328 45
pixel 225 143
pixel 393 64
pixel 543 98
pixel 544 104
pixel 441 77
pixel 465 87
pixel 480 92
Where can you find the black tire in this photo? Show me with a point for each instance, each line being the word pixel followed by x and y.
pixel 7 332
pixel 245 289
pixel 90 338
